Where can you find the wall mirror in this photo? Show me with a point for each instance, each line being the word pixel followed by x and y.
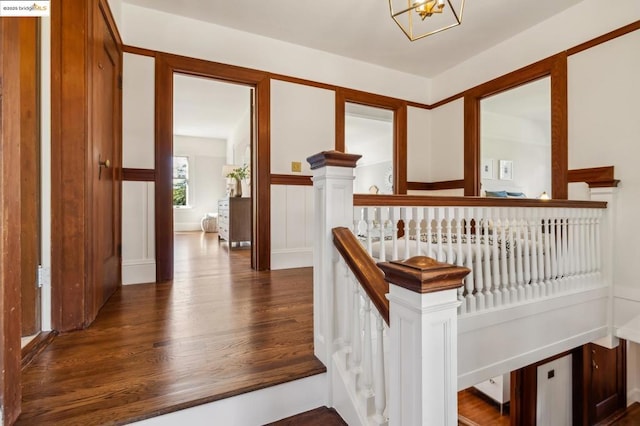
pixel 550 72
pixel 515 141
pixel 369 131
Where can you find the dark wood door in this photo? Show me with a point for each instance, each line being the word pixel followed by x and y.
pixel 607 382
pixel 106 167
pixel 29 175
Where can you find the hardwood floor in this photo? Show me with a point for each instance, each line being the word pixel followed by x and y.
pixel 475 409
pixel 220 329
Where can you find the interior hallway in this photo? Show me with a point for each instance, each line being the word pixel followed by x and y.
pixel 219 330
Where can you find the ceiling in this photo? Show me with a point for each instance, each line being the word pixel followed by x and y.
pixel 530 101
pixel 358 29
pixel 363 29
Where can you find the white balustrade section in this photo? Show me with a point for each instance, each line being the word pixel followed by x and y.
pixel 516 254
pixel 362 351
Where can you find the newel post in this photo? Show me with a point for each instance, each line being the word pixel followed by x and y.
pixel 423 367
pixel 333 175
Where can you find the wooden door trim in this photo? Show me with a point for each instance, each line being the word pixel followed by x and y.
pixel 10 219
pixel 166 65
pixel 30 173
pixel 555 67
pixel 399 108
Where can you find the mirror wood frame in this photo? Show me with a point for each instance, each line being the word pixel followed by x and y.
pixel 554 67
pixel 399 109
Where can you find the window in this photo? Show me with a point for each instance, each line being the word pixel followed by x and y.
pixel 180 181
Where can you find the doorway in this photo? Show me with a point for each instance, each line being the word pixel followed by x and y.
pixel 166 67
pixel 212 139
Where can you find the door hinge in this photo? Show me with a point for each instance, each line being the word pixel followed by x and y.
pixel 120 82
pixel 120 250
pixel 43 276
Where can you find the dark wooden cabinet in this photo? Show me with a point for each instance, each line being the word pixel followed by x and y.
pixel 234 219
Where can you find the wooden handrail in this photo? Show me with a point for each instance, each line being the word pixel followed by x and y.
pixel 361 200
pixel 370 277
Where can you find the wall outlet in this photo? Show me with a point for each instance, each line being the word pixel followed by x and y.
pixel 296 166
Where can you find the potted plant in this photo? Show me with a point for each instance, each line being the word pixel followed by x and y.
pixel 239 174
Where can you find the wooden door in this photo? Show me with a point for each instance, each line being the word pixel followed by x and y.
pixel 606 381
pixel 29 175
pixel 106 153
pixel 10 221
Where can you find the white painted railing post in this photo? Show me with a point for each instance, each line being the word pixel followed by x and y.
pixel 605 236
pixel 333 174
pixel 423 339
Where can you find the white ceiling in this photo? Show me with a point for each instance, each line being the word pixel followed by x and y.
pixel 358 29
pixel 530 101
pixel 363 29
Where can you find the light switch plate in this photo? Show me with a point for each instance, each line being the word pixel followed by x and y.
pixel 296 166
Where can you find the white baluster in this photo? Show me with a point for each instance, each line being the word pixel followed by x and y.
pixel 356 334
pixel 369 217
pixel 406 215
pixel 366 385
pixel 394 217
pixel 469 281
pixel 553 249
pixel 439 217
pixel 514 243
pixel 546 233
pixel 454 214
pixel 598 242
pixel 379 373
pixel 480 295
pixel 503 223
pixel 495 258
pixel 429 231
pixel 538 223
pixel 521 252
pixel 486 260
pixel 418 217
pixel 528 249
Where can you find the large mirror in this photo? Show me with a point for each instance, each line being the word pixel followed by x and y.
pixel 515 142
pixel 369 132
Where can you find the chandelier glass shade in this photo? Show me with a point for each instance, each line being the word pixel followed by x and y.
pixel 421 18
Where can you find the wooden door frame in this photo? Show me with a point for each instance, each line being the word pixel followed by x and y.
pixel 399 109
pixel 10 222
pixel 555 67
pixel 165 67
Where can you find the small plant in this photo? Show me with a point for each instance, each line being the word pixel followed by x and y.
pixel 240 173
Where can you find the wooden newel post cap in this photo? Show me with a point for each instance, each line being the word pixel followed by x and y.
pixel 423 274
pixel 333 158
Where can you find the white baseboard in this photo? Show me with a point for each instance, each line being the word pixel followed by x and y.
pixel 633 395
pixel 627 293
pixel 291 258
pixel 138 271
pixel 253 408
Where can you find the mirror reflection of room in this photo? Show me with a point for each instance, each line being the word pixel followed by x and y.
pixel 515 142
pixel 369 132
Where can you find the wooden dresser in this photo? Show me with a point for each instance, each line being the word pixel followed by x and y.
pixel 234 219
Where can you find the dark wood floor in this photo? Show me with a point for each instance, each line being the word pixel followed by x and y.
pixel 220 329
pixel 476 409
pixel 321 416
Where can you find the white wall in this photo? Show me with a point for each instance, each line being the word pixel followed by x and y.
pixel 603 130
pixel 138 151
pixel 575 25
pixel 239 140
pixel 184 36
pixel 447 142
pixel 302 124
pixel 418 144
pixel 206 183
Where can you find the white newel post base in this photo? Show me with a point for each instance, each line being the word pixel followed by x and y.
pixel 333 174
pixel 610 195
pixel 423 370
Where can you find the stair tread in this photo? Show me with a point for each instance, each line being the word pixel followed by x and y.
pixel 321 416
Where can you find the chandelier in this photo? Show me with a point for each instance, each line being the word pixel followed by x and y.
pixel 421 18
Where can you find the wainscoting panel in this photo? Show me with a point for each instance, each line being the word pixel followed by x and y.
pixel 138 233
pixel 291 226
